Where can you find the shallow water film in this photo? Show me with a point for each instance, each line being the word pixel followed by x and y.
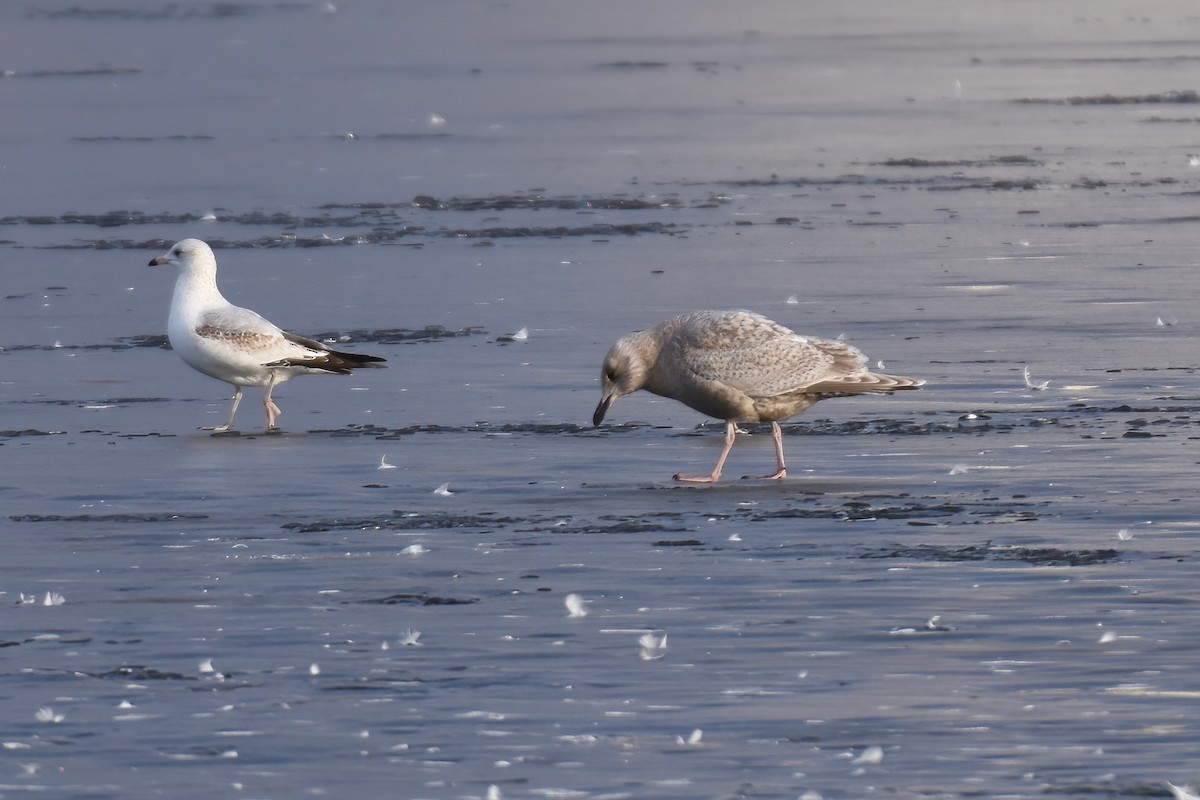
pixel 439 580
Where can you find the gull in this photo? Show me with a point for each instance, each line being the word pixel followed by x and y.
pixel 740 367
pixel 234 344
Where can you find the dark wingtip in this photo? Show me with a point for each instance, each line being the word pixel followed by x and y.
pixel 361 360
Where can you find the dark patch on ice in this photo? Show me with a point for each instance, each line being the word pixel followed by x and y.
pixel 398 335
pixel 859 510
pixel 995 161
pixel 16 434
pixel 1105 788
pixel 383 236
pixel 400 520
pixel 562 231
pixel 403 521
pixel 385 216
pixel 899 427
pixel 939 182
pixel 634 525
pixel 195 752
pixel 420 599
pixel 1174 97
pixel 124 518
pixel 987 185
pixel 167 11
pixel 102 72
pixel 1041 556
pixel 354 136
pixel 121 343
pixel 179 137
pixel 633 65
pixel 915 511
pixel 525 202
pixel 138 672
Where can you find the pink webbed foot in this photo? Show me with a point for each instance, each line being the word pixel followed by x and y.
pixel 776 476
pixel 697 478
pixel 781 469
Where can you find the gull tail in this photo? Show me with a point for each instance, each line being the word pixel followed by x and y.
pixel 325 358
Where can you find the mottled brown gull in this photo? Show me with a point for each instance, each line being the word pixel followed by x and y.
pixel 235 344
pixel 740 367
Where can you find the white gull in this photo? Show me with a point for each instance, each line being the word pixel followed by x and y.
pixel 235 344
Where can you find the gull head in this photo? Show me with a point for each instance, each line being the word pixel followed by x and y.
pixel 625 370
pixel 190 255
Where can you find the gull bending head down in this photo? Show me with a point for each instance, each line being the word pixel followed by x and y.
pixel 740 367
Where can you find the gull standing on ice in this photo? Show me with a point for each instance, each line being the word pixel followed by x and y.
pixel 740 367
pixel 234 344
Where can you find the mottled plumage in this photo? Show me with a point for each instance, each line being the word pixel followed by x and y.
pixel 740 367
pixel 235 344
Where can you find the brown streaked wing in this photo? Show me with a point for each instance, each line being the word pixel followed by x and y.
pixel 248 341
pixel 765 360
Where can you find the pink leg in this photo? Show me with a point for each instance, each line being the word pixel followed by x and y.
pixel 273 411
pixel 730 434
pixel 237 399
pixel 781 468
